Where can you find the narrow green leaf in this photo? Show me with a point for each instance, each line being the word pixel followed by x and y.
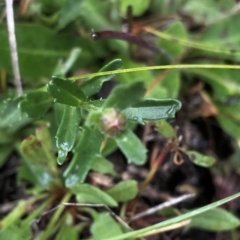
pixel 217 219
pixel 65 91
pixel 102 165
pixel 64 66
pixel 200 159
pixel 86 193
pixel 132 147
pixel 93 85
pixel 153 109
pixel 16 214
pixel 84 154
pixel 67 132
pixel 13 216
pixel 104 226
pixel 36 103
pixel 124 191
pixel 70 11
pixel 124 96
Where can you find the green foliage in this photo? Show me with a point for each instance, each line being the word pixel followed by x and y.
pixel 104 227
pixel 85 193
pixel 67 132
pixel 124 191
pixel 93 85
pixel 200 159
pixel 131 147
pixel 153 109
pixel 61 120
pixel 66 92
pixel 85 152
pixel 36 103
pixel 215 220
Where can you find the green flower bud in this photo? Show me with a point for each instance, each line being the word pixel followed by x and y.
pixel 112 122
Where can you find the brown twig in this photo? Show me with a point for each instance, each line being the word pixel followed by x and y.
pixel 161 206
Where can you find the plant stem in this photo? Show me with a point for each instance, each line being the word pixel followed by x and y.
pixel 13 46
pixel 161 67
pixel 50 228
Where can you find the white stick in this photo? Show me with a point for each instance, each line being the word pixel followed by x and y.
pixel 13 46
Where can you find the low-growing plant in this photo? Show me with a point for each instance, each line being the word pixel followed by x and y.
pixel 63 130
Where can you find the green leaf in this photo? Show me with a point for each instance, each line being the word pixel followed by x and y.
pixel 41 51
pixel 86 193
pixel 223 37
pixel 124 191
pixel 66 92
pixel 132 147
pixel 139 6
pixel 36 103
pixel 16 213
pixel 153 109
pixel 10 115
pixel 130 77
pixel 84 154
pixel 124 96
pixel 100 18
pixel 224 82
pixel 69 12
pixel 38 160
pixel 168 87
pixel 217 219
pixel 67 231
pixel 230 126
pixel 200 159
pixel 102 165
pixel 105 226
pixel 207 11
pixel 166 129
pixel 230 118
pixel 178 30
pixel 93 85
pixel 64 66
pixel 16 232
pixel 67 132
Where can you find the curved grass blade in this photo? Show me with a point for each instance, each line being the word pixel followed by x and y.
pixel 162 67
pixel 148 230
